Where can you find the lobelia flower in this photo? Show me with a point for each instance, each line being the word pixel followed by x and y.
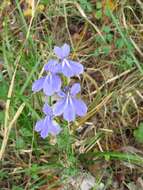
pixel 50 83
pixel 69 105
pixel 68 67
pixel 47 125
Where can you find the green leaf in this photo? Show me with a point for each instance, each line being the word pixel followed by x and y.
pixel 119 43
pixel 109 37
pixel 17 188
pixel 20 144
pixel 3 89
pixel 1 117
pixel 107 157
pixel 106 29
pixel 138 133
pixel 33 171
pixel 86 5
pixel 106 50
pixel 98 5
pixel 97 52
pixel 99 14
pixel 107 13
pixel 26 132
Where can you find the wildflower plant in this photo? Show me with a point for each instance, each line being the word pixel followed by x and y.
pixel 68 104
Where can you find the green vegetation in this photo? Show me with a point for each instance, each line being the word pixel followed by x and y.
pixel 106 37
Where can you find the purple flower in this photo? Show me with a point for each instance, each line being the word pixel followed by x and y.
pixel 50 83
pixel 69 105
pixel 47 125
pixel 68 67
pixel 53 66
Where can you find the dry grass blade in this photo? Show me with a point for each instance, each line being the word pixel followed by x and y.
pixel 113 79
pixel 9 98
pixel 33 14
pixel 136 47
pixel 140 3
pixel 94 110
pixel 89 21
pixel 8 129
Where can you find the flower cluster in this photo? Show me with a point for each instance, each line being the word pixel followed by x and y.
pixel 68 104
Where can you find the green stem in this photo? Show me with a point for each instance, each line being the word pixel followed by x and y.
pixel 109 155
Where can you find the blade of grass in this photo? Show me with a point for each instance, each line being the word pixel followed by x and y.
pixel 30 76
pixel 132 158
pixel 89 21
pixel 94 110
pixel 8 129
pixel 125 40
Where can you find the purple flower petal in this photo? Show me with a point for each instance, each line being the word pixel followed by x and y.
pixel 61 94
pixel 39 125
pixel 58 52
pixel 76 67
pixel 66 50
pixel 45 130
pixel 53 66
pixel 69 111
pixel 56 83
pixel 47 86
pixel 47 109
pixel 62 51
pixel 38 84
pixel 46 126
pixel 54 128
pixel 69 105
pixel 71 68
pixel 49 126
pixel 80 107
pixel 67 69
pixel 44 133
pixel 75 89
pixel 51 84
pixel 59 107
